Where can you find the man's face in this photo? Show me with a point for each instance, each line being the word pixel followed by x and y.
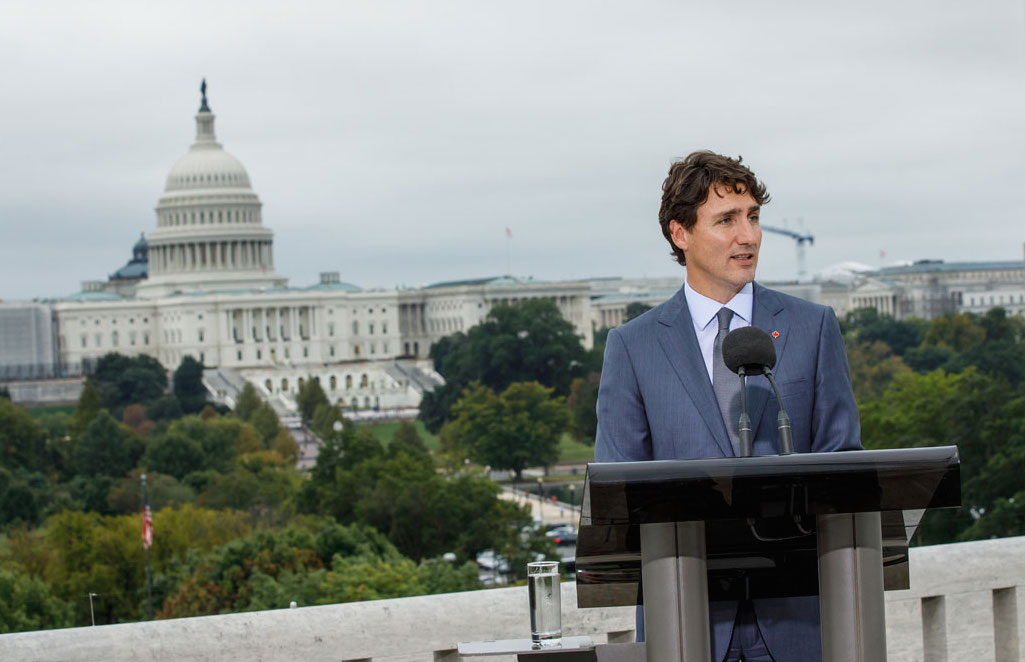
pixel 722 247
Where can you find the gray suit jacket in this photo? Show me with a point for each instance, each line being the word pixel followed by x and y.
pixel 656 402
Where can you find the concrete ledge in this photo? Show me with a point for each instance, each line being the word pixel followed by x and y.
pixel 400 630
pixel 964 604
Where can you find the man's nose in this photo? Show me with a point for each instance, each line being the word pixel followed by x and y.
pixel 747 233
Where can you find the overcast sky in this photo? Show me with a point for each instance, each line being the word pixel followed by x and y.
pixel 394 142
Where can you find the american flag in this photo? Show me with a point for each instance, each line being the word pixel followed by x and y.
pixel 147 526
pixel 508 233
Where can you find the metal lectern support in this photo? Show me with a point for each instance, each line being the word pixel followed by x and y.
pixel 674 573
pixel 851 588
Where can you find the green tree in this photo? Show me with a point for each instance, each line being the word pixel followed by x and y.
pixel 125 496
pixel 286 446
pixel 106 448
pixel 526 341
pixel 188 385
pixel 436 404
pixel 85 553
pixel 635 309
pixel 218 438
pixel 513 430
pixel 978 413
pixel 123 380
pixel 582 403
pixel 266 423
pixel 868 326
pixel 22 439
pixel 247 403
pixel 164 408
pixel 89 405
pixel 311 396
pixel 263 484
pixel 446 345
pixel 1000 327
pixel 324 418
pixel 960 332
pixel 873 367
pixel 1005 518
pixel 90 493
pixel 224 582
pixel 407 440
pixel 424 513
pixel 22 496
pixel 175 454
pixel 26 603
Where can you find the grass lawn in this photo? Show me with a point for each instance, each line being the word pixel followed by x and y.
pixel 39 412
pixel 385 431
pixel 571 450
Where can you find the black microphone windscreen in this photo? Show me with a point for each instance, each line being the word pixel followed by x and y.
pixel 749 347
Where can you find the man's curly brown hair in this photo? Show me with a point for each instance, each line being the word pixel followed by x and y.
pixel 688 183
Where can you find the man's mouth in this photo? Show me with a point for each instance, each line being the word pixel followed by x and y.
pixel 743 256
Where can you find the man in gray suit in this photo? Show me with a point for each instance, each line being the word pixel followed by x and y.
pixel 666 394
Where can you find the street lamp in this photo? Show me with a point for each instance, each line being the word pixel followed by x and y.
pixel 541 501
pixel 573 495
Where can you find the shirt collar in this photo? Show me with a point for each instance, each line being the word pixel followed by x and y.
pixel 703 310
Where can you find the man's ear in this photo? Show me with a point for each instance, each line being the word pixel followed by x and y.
pixel 679 235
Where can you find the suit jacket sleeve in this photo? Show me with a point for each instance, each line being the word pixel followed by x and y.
pixel 623 434
pixel 836 425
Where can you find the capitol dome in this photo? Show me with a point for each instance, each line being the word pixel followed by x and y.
pixel 210 233
pixel 207 166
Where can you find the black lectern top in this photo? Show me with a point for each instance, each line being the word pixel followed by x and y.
pixel 759 511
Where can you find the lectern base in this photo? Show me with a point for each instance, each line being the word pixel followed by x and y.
pixel 851 603
pixel 674 571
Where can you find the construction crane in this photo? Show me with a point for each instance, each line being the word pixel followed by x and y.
pixel 801 240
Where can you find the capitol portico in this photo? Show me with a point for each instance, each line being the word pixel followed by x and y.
pixel 203 285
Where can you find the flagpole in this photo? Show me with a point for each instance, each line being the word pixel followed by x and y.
pixel 147 525
pixel 508 252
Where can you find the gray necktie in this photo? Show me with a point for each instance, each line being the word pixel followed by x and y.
pixel 725 382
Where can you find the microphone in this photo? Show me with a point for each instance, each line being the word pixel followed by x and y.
pixel 749 351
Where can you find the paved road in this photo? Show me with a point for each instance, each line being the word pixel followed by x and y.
pixel 551 512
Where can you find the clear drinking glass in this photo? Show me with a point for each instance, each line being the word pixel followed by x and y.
pixel 545 603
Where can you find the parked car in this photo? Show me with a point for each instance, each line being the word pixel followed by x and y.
pixel 488 560
pixel 563 535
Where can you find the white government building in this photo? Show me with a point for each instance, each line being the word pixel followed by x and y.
pixel 203 285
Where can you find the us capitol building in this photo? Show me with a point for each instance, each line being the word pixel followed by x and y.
pixel 203 285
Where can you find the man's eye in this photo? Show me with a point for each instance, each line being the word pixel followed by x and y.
pixel 754 218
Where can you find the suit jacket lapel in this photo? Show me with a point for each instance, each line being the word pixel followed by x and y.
pixel 769 316
pixel 680 344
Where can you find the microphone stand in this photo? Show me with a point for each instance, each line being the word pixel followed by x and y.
pixel 744 433
pixel 786 437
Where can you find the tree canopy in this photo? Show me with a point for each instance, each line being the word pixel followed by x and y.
pixel 515 429
pixel 188 385
pixel 522 342
pixel 311 395
pixel 123 380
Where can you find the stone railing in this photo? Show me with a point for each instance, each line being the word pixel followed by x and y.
pixel 963 605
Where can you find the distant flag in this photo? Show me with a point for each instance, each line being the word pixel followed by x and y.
pixel 147 525
pixel 508 233
pixel 882 255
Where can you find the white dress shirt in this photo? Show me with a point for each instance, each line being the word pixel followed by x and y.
pixel 703 312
